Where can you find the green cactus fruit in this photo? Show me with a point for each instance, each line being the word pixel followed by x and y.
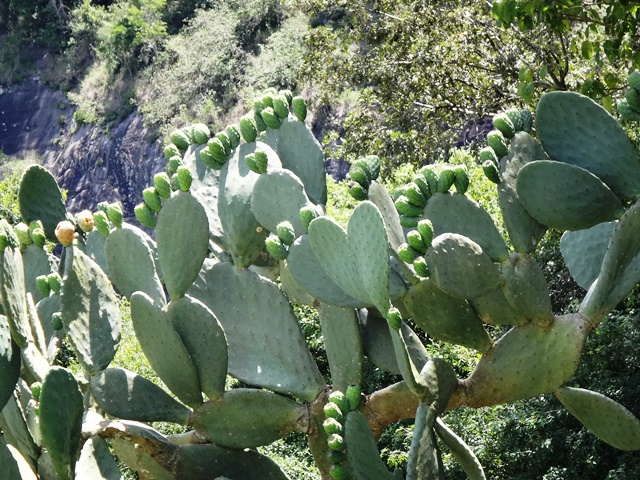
pixel 200 133
pixel 270 118
pixel 357 191
pixel 414 239
pixel 496 140
pixel 260 125
pixel 55 282
pixel 299 108
pixel 627 112
pixel 527 119
pixel 281 106
pixel 250 160
pixel 445 179
pixel 84 219
pixel 175 183
pixel 336 442
pixel 276 248
pixel 288 96
pixel 415 195
pixel 394 318
pixel 421 267
pixel 22 232
pixel 422 184
pixel 331 426
pixel 43 285
pixel 331 410
pixel 399 190
pixel 285 232
pixel 503 123
pixel 102 206
pixel 180 139
pixel 162 184
pixel 217 150
pixel 145 215
pixel 184 178
pixel 172 165
pixel 307 215
pixel 114 212
pixel 36 388
pixel 353 397
pixel 152 198
pixel 358 175
pixel 634 80
pixel 171 151
pixel 488 153
pixel 56 321
pixel 373 161
pixel 336 458
pixel 267 99
pixel 431 177
pixel 248 128
pixel 262 161
pixel 425 228
pixel 338 472
pixel 405 207
pixel 209 161
pixel 407 253
pixel 340 400
pixel 101 222
pixel 65 232
pixel 233 133
pixel 516 118
pixel 633 99
pixel 491 171
pixel 461 181
pixel 226 142
pixel 259 105
pixel 4 240
pixel 38 236
pixel 409 221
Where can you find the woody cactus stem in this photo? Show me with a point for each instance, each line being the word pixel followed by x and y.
pixel 249 199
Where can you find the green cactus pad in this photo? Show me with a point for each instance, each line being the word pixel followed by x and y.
pixel 13 465
pixel 12 293
pixel 247 418
pixel 441 381
pixel 182 223
pixel 460 268
pixel 605 418
pixel 524 231
pixel 250 308
pixel 408 369
pixel 9 362
pixel 125 394
pixel 576 130
pixel 424 457
pixel 94 248
pixel 61 412
pixel 131 263
pixel 301 153
pixel 97 462
pixel 357 260
pixel 525 288
pixel 619 268
pixel 40 198
pixel 460 450
pixel 164 349
pixel 279 195
pixel 528 361
pixel 363 454
pixel 46 308
pixel 245 236
pixel 306 270
pixel 455 213
pixel 341 334
pixel 15 429
pixel 445 317
pixel 36 262
pixel 494 309
pixel 207 462
pixel 90 311
pixel 381 198
pixel 564 196
pixel 202 334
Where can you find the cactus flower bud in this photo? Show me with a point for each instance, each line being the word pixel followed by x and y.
pixel 85 220
pixel 65 232
pixel 101 222
pixel 336 457
pixel 634 80
pixel 162 184
pixel 358 175
pixel 285 232
pixel 422 184
pixel 287 95
pixel 114 212
pixel 259 122
pixel 627 112
pixel 488 153
pixel 394 318
pixel 43 285
pixel 173 164
pixel 225 141
pixel 431 177
pixel 55 282
pixel 331 425
pixel 516 118
pixel 527 119
pixel 56 321
pixel 299 108
pixel 336 442
pixel 152 198
pixel 38 236
pixel 35 224
pixel 415 195
pixel 250 160
pixel 276 248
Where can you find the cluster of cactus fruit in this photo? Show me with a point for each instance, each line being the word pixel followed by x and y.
pixel 237 211
pixel 629 106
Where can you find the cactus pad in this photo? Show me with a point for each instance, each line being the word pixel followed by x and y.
pixel 97 462
pixel 460 450
pixel 40 198
pixel 363 454
pixel 9 362
pixel 12 294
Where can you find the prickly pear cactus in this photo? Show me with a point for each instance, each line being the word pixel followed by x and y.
pixel 240 235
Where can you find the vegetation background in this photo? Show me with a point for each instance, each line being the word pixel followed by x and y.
pixel 412 81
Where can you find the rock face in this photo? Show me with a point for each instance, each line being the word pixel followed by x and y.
pixel 91 163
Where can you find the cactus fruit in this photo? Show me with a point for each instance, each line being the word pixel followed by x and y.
pixel 414 239
pixel 331 410
pixel 250 160
pixel 338 472
pixel 431 177
pixel 358 175
pixel 248 128
pixel 285 232
pixel 409 221
pixel 200 133
pixel 270 118
pixel 491 171
pixel 422 184
pixel 633 99
pixel 503 123
pixel 425 228
pixel 262 161
pixel 151 198
pixel 461 181
pixel 415 195
pixel 209 161
pixel 281 106
pixel 184 178
pixel 145 215
pixel 84 219
pixel 405 207
pixel 260 125
pixel 171 150
pixel 515 116
pixel 496 140
pixel 299 108
pixel 36 388
pixel 225 141
pixel 217 150
pixel 331 425
pixel 38 236
pixel 527 119
pixel 488 154
pixel 627 112
pixel 353 397
pixel 288 96
pixel 233 133
pixel 114 212
pixel 340 400
pixel 56 321
pixel 407 253
pixel 101 222
pixel 43 285
pixel 65 233
pixel 180 139
pixel 634 80
pixel 421 267
pixel 357 191
pixel 336 442
pixel 22 232
pixel 55 282
pixel 445 179
pixel 307 215
pixel 173 164
pixel 276 248
pixel 394 318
